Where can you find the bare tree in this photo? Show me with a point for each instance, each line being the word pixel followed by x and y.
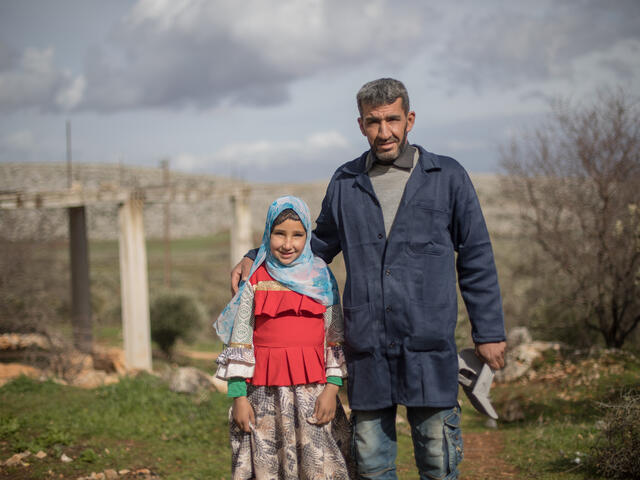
pixel 577 182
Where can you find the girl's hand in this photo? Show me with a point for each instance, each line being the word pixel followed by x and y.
pixel 325 409
pixel 243 413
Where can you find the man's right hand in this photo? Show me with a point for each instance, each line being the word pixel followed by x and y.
pixel 240 272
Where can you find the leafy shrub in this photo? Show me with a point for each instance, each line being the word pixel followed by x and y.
pixel 615 454
pixel 174 315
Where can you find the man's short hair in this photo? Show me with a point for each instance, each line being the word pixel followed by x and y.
pixel 383 91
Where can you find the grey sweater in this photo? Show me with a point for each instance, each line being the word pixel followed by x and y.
pixel 389 180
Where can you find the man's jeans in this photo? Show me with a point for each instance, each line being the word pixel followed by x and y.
pixel 437 442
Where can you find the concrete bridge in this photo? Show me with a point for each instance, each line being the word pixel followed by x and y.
pixel 132 249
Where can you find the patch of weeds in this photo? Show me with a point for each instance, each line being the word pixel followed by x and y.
pixel 56 436
pixel 53 437
pixel 615 453
pixel 88 456
pixel 9 425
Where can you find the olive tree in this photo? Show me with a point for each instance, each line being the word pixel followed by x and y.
pixel 576 180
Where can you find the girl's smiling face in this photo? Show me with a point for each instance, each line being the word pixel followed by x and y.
pixel 287 241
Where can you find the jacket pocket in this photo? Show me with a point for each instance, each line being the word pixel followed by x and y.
pixel 359 330
pixel 422 344
pixel 431 327
pixel 429 232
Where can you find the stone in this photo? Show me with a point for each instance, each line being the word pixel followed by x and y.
pixel 65 458
pixel 111 378
pixel 491 423
pixel 16 460
pixel 519 359
pixel 78 362
pixel 89 379
pixel 188 380
pixel 111 360
pixel 20 341
pixel 9 371
pixel 111 474
pixel 517 336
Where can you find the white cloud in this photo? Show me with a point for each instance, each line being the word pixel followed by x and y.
pixel 271 153
pixel 319 153
pixel 70 95
pixel 32 80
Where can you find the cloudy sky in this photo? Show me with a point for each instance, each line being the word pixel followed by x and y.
pixel 265 89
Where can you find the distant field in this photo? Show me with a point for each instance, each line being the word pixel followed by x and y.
pixel 187 220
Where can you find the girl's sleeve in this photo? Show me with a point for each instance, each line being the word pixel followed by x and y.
pixel 237 359
pixel 335 364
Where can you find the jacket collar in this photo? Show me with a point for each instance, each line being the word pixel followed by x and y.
pixel 428 161
pixel 358 169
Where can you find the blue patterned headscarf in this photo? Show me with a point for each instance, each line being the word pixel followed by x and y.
pixel 307 274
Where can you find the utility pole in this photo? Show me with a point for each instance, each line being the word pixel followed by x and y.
pixel 69 171
pixel 167 224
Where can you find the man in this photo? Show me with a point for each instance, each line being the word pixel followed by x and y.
pixel 399 214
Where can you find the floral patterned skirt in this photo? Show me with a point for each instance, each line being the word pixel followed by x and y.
pixel 284 445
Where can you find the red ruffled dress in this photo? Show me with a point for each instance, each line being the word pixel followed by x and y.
pixel 288 337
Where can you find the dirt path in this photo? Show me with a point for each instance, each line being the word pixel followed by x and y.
pixel 483 457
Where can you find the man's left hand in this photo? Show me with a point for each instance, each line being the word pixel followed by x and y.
pixel 492 353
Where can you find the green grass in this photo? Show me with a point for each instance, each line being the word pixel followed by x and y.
pixel 137 423
pixel 561 417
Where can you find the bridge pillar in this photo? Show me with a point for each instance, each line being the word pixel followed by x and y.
pixel 134 286
pixel 80 283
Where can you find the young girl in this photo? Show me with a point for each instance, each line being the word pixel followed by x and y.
pixel 283 359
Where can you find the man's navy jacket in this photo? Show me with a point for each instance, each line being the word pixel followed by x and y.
pixel 400 302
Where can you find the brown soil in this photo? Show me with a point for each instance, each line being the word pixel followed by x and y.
pixel 483 457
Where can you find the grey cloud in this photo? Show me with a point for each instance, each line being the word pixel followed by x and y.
pixel 504 45
pixel 622 69
pixel 199 54
pixel 207 53
pixel 31 80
